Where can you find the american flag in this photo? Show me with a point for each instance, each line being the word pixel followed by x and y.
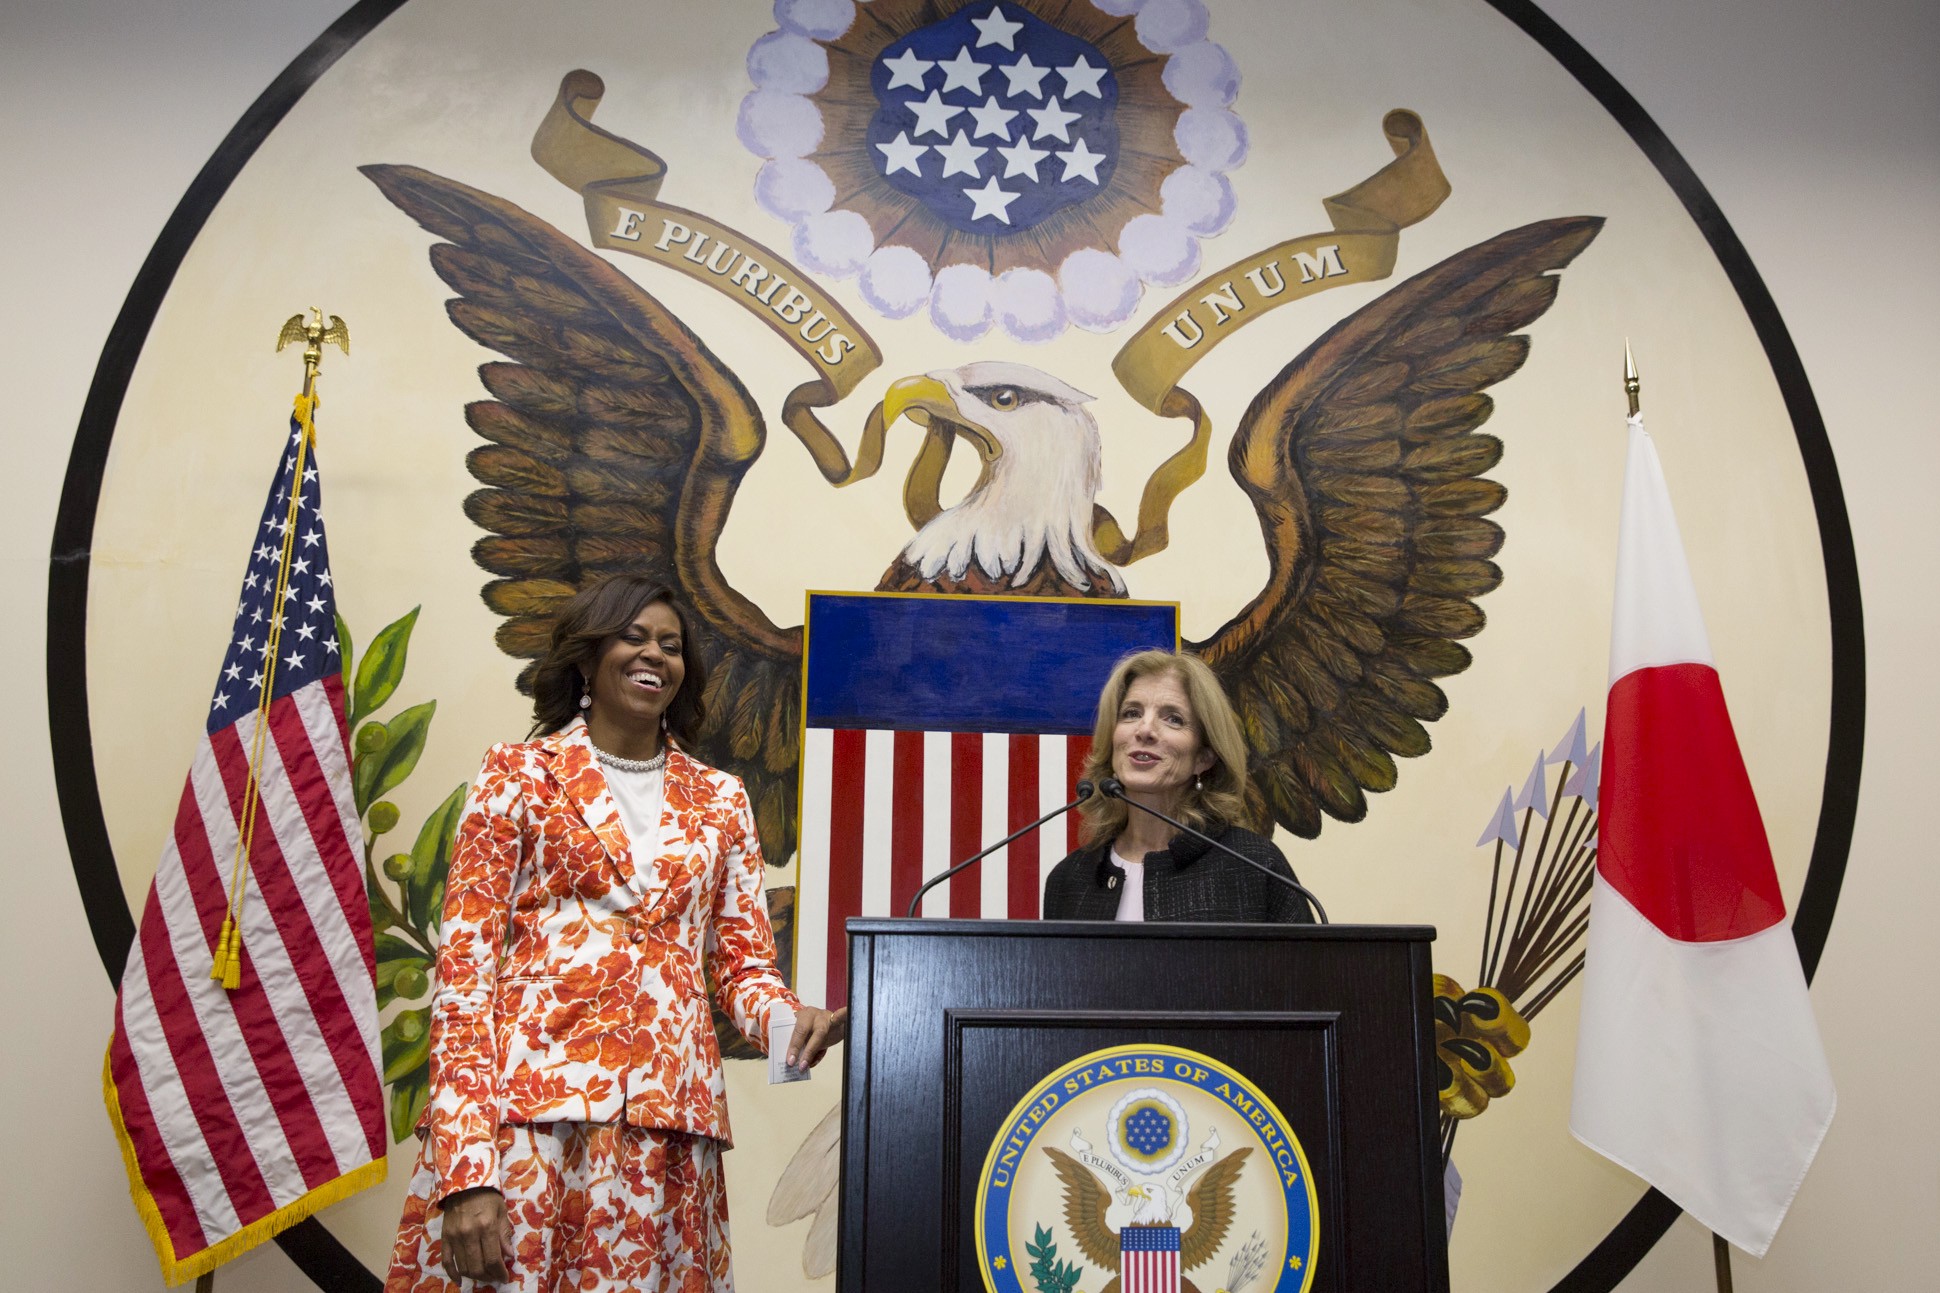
pixel 1148 1259
pixel 936 726
pixel 242 1110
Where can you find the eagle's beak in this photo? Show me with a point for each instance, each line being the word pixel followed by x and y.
pixel 921 398
pixel 924 399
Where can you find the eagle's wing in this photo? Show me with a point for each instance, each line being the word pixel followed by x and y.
pixel 1085 1205
pixel 292 332
pixel 616 441
pixel 807 1186
pixel 1362 460
pixel 1212 1210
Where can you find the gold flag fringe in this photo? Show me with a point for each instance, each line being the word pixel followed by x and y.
pixel 180 1272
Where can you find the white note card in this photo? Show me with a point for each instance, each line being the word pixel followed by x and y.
pixel 781 1030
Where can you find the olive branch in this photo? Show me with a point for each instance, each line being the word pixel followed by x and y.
pixel 407 904
pixel 1047 1272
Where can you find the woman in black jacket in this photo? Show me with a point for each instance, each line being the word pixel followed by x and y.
pixel 1166 730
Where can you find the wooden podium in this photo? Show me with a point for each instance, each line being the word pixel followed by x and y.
pixel 953 1021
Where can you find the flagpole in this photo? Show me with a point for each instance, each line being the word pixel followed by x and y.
pixel 226 963
pixel 1720 1250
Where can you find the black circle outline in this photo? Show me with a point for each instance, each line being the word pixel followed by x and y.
pixel 316 1252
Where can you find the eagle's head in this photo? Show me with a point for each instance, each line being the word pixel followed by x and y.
pixel 1031 506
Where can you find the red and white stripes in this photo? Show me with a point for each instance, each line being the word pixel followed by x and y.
pixel 242 1110
pixel 883 811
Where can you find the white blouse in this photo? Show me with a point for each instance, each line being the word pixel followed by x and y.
pixel 1131 903
pixel 639 796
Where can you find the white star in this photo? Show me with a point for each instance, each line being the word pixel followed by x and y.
pixel 247 644
pixel 306 631
pixel 1052 120
pixel 282 494
pixel 991 201
pixel 249 581
pixel 263 650
pixel 960 157
pixel 996 29
pixel 302 566
pixel 233 672
pixel 907 69
pixel 315 604
pixel 1021 159
pixel 256 617
pixel 324 579
pixel 900 155
pixel 256 680
pixel 932 114
pixel 264 552
pixel 963 72
pixel 222 701
pixel 289 593
pixel 1026 78
pixel 279 524
pixel 330 644
pixel 992 120
pixel 1082 78
pixel 293 660
pixel 309 473
pixel 1081 161
pixel 289 464
pixel 310 539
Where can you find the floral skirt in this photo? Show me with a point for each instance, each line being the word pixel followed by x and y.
pixel 593 1206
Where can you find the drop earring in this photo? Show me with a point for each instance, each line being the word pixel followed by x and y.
pixel 585 694
pixel 1198 782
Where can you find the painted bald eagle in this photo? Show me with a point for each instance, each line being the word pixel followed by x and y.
pixel 1025 527
pixel 615 441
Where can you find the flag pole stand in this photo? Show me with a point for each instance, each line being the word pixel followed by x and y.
pixel 205 1282
pixel 1721 1261
pixel 1720 1250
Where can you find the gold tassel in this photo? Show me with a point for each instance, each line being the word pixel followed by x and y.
pixel 232 968
pixel 219 968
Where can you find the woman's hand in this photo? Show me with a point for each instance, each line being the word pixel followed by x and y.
pixel 815 1031
pixel 477 1235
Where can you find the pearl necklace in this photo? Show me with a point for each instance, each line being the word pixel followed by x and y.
pixel 614 761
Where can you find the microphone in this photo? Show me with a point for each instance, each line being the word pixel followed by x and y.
pixel 1113 788
pixel 1084 793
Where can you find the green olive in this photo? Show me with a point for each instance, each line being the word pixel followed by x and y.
pixel 372 737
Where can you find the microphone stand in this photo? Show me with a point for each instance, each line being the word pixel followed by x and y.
pixel 1113 788
pixel 1084 793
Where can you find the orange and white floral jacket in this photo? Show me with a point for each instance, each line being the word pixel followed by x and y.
pixel 569 983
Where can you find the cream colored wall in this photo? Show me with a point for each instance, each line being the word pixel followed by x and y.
pixel 1818 138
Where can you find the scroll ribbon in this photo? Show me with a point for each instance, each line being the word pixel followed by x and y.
pixel 1360 247
pixel 620 182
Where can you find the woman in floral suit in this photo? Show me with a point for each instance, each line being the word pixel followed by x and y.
pixel 577 1113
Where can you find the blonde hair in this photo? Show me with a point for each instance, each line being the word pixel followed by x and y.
pixel 1220 795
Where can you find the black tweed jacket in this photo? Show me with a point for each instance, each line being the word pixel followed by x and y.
pixel 1188 881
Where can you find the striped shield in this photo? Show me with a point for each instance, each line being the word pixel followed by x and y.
pixel 934 726
pixel 1148 1259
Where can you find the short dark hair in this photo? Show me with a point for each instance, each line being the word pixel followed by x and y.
pixel 588 618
